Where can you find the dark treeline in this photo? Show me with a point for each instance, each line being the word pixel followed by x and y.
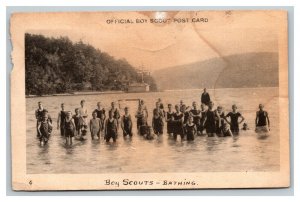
pixel 57 65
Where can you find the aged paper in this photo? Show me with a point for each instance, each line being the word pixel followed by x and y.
pixel 149 100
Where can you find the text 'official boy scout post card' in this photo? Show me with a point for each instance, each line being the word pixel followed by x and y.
pixel 149 100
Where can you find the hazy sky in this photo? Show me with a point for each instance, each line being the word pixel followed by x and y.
pixel 163 45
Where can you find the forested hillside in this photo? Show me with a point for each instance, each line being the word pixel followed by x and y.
pixel 57 65
pixel 235 71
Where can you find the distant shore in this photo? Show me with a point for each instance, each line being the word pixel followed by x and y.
pixel 77 93
pixel 120 92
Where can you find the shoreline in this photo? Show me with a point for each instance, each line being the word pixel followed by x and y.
pixel 123 92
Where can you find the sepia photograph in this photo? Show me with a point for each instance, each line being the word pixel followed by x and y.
pixel 149 100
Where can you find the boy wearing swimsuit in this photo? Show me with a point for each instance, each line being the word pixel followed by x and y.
pixel 170 120
pixel 178 123
pixel 234 119
pixel 69 127
pixel 196 114
pixel 190 129
pixel 61 119
pixel 126 123
pixel 101 115
pixel 44 129
pixel 262 121
pixel 95 126
pixel 210 120
pixel 157 122
pixel 111 127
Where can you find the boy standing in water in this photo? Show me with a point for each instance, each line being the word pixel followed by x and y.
pixel 116 113
pixel 210 120
pixel 234 119
pixel 44 129
pixel 111 127
pixel 126 123
pixel 100 114
pixel 158 109
pixel 185 113
pixel 157 122
pixel 262 121
pixel 170 119
pixel 178 120
pixel 139 117
pixel 84 114
pixel 95 126
pixel 78 122
pixel 190 129
pixel 61 119
pixel 196 114
pixel 39 115
pixel 144 109
pixel 69 128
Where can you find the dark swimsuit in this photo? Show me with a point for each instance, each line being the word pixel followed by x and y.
pixel 190 130
pixel 101 116
pixel 234 124
pixel 158 125
pixel 69 128
pixel 127 125
pixel 262 118
pixel 170 123
pixel 62 122
pixel 111 130
pixel 210 124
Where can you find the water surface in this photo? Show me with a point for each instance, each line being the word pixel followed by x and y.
pixel 246 152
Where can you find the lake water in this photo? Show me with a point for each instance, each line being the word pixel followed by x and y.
pixel 246 152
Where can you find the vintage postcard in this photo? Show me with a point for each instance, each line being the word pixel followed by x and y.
pixel 149 100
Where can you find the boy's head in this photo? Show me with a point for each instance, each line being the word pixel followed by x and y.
pixel 69 114
pixel 177 108
pixel 82 102
pixel 99 105
pixel 45 115
pixel 142 102
pixel 183 107
pixel 190 119
pixel 40 105
pixel 234 107
pixel 170 107
pixel 159 100
pixel 204 90
pixel 62 106
pixel 194 105
pixel 94 114
pixel 76 111
pixel 261 106
pixel 113 104
pixel 126 109
pixel 210 105
pixel 219 108
pixel 202 106
pixel 181 102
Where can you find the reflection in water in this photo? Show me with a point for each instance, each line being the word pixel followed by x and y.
pixel 245 152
